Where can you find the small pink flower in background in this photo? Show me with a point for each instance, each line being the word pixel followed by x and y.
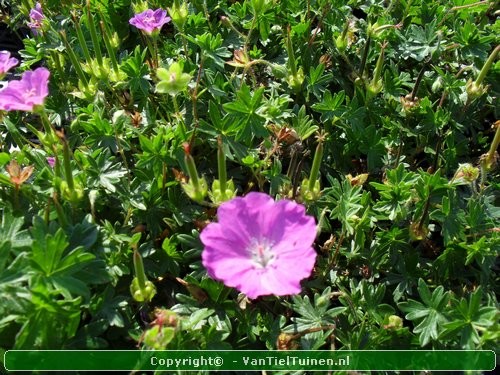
pixel 260 246
pixel 26 93
pixel 51 160
pixel 6 62
pixel 150 21
pixel 36 18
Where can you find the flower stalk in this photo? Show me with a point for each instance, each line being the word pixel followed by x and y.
pixel 476 88
pixel 492 155
pixel 318 156
pixel 341 41
pixel 142 289
pixel 296 76
pixel 376 85
pixel 486 67
pixel 221 164
pixel 311 188
pixel 196 188
pixel 222 189
pixel 81 38
pixel 110 49
pixel 74 61
pixel 93 36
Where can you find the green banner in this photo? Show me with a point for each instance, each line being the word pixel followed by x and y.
pixel 130 360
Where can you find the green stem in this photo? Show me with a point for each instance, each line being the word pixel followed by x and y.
pixel 57 62
pixel 490 158
pixel 47 125
pixel 74 61
pixel 419 79
pixel 110 49
pixel 67 165
pixel 192 171
pixel 247 40
pixel 152 52
pixel 318 156
pixel 139 270
pixel 487 66
pixel 178 114
pixel 93 35
pixel 365 56
pixel 63 220
pixel 221 161
pixel 81 39
pixel 291 57
pixel 378 67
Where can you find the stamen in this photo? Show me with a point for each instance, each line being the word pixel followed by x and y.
pixel 261 252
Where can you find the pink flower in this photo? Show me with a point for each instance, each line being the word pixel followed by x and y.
pixel 260 246
pixel 26 93
pixel 51 160
pixel 150 21
pixel 36 18
pixel 6 62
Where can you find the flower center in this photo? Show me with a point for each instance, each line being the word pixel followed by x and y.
pixel 29 93
pixel 149 19
pixel 262 252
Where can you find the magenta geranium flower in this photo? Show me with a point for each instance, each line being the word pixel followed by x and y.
pixel 150 21
pixel 36 18
pixel 6 62
pixel 27 92
pixel 260 246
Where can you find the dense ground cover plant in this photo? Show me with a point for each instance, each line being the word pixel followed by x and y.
pixel 377 120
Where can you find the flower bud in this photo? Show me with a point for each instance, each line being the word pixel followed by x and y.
pixel 466 172
pixel 218 195
pixel 257 6
pixel 310 189
pixel 437 84
pixel 474 90
pixel 295 80
pixel 309 193
pixel 72 195
pixel 196 188
pixel 158 337
pixel 418 232
pixel 144 294
pixel 393 322
pixel 141 288
pixel 341 42
pixel 179 14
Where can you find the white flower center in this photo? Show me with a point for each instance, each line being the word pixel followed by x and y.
pixel 261 252
pixel 29 93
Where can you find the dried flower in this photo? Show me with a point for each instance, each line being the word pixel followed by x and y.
pixel 36 18
pixel 6 62
pixel 150 21
pixel 260 246
pixel 17 175
pixel 26 93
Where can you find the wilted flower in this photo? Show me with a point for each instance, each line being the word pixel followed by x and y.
pixel 26 93
pixel 260 246
pixel 6 62
pixel 150 21
pixel 36 18
pixel 17 175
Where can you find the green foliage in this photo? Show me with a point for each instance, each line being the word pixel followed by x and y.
pixel 405 196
